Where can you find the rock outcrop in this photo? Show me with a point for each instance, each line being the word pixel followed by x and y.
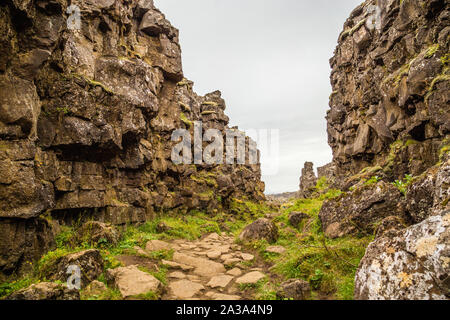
pixel 390 103
pixel 413 265
pixel 361 210
pixel 45 291
pixel 86 119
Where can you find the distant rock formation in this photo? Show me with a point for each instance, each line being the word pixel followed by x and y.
pixel 86 118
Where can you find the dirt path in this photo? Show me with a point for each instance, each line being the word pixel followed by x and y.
pixel 212 268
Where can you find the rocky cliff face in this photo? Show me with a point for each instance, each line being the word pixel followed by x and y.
pixel 390 105
pixel 390 116
pixel 86 118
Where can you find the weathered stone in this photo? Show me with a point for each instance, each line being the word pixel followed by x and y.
pixel 251 278
pixel 157 245
pixel 260 229
pixel 235 272
pixel 360 210
pixel 413 265
pixel 45 291
pixel 97 232
pixel 222 297
pixel 185 289
pixel 177 275
pixel 294 289
pixel 90 263
pixel 276 249
pixel 308 180
pixel 220 281
pixel 95 288
pixel 203 267
pixel 296 217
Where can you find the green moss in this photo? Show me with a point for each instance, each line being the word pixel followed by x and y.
pixel 94 83
pixel 185 107
pixel 183 82
pixel 210 103
pixel 205 113
pixel 431 51
pixel 8 288
pixel 351 31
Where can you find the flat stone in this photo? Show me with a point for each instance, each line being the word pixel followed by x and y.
pixel 140 251
pixel 185 289
pixel 236 272
pixel 177 275
pixel 247 256
pixel 157 245
pixel 203 267
pixel 132 282
pixel 212 237
pixel 276 249
pixel 227 256
pixel 174 265
pixel 251 278
pixel 221 296
pixel 232 261
pixel 220 281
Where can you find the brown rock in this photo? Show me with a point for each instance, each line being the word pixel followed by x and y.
pixel 132 282
pixel 90 263
pixel 45 291
pixel 296 217
pixel 97 233
pixel 294 289
pixel 260 229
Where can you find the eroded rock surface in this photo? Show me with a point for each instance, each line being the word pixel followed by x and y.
pixel 390 101
pixel 86 119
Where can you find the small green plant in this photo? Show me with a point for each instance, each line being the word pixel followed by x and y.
pixel 402 185
pixel 372 180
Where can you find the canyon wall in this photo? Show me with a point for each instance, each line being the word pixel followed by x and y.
pixel 389 109
pixel 86 118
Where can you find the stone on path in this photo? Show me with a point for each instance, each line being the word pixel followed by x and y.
pixel 212 237
pixel 214 254
pixel 220 281
pixel 203 267
pixel 251 278
pixel 276 249
pixel 132 282
pixel 185 289
pixel 157 245
pixel 236 272
pixel 247 256
pixel 174 265
pixel 223 297
pixel 232 261
pixel 177 275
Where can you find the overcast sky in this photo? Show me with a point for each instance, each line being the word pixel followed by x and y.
pixel 269 58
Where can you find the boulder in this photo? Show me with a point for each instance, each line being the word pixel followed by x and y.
pixel 296 217
pixel 185 289
pixel 90 263
pixel 251 278
pixel 259 230
pixel 360 210
pixel 157 245
pixel 412 265
pixel 294 289
pixel 133 282
pixel 45 291
pixel 98 233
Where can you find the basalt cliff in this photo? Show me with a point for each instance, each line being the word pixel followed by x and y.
pixel 86 117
